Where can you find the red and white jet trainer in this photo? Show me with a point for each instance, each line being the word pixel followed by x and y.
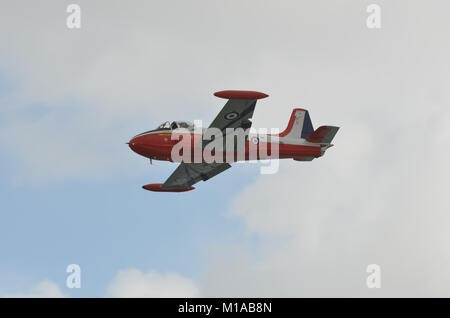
pixel 299 141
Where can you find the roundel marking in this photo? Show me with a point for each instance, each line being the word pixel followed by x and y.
pixel 231 116
pixel 255 140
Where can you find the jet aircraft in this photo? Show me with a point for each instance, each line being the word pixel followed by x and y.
pixel 299 141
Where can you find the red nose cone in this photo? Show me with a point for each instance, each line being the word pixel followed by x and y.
pixel 132 144
pixel 138 145
pixel 157 188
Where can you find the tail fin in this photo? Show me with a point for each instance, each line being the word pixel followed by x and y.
pixel 299 125
pixel 323 134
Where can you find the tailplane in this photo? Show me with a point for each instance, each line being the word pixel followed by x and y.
pixel 323 135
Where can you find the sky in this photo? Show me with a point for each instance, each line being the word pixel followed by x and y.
pixel 70 187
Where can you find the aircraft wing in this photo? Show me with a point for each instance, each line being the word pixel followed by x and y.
pixel 188 174
pixel 238 111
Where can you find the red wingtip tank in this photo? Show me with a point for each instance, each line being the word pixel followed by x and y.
pixel 233 94
pixel 156 187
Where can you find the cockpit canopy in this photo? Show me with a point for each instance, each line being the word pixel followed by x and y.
pixel 176 124
pixel 171 126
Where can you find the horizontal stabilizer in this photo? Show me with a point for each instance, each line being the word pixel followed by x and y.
pixel 323 134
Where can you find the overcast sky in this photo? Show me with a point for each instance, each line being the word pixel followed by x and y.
pixel 71 189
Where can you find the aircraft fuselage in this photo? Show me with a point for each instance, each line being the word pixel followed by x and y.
pixel 158 145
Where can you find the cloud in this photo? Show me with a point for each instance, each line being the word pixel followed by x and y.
pixel 44 289
pixel 379 196
pixel 135 283
pixel 76 95
pixel 318 226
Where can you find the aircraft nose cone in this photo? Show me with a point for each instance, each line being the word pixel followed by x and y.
pixel 133 144
pixel 139 145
